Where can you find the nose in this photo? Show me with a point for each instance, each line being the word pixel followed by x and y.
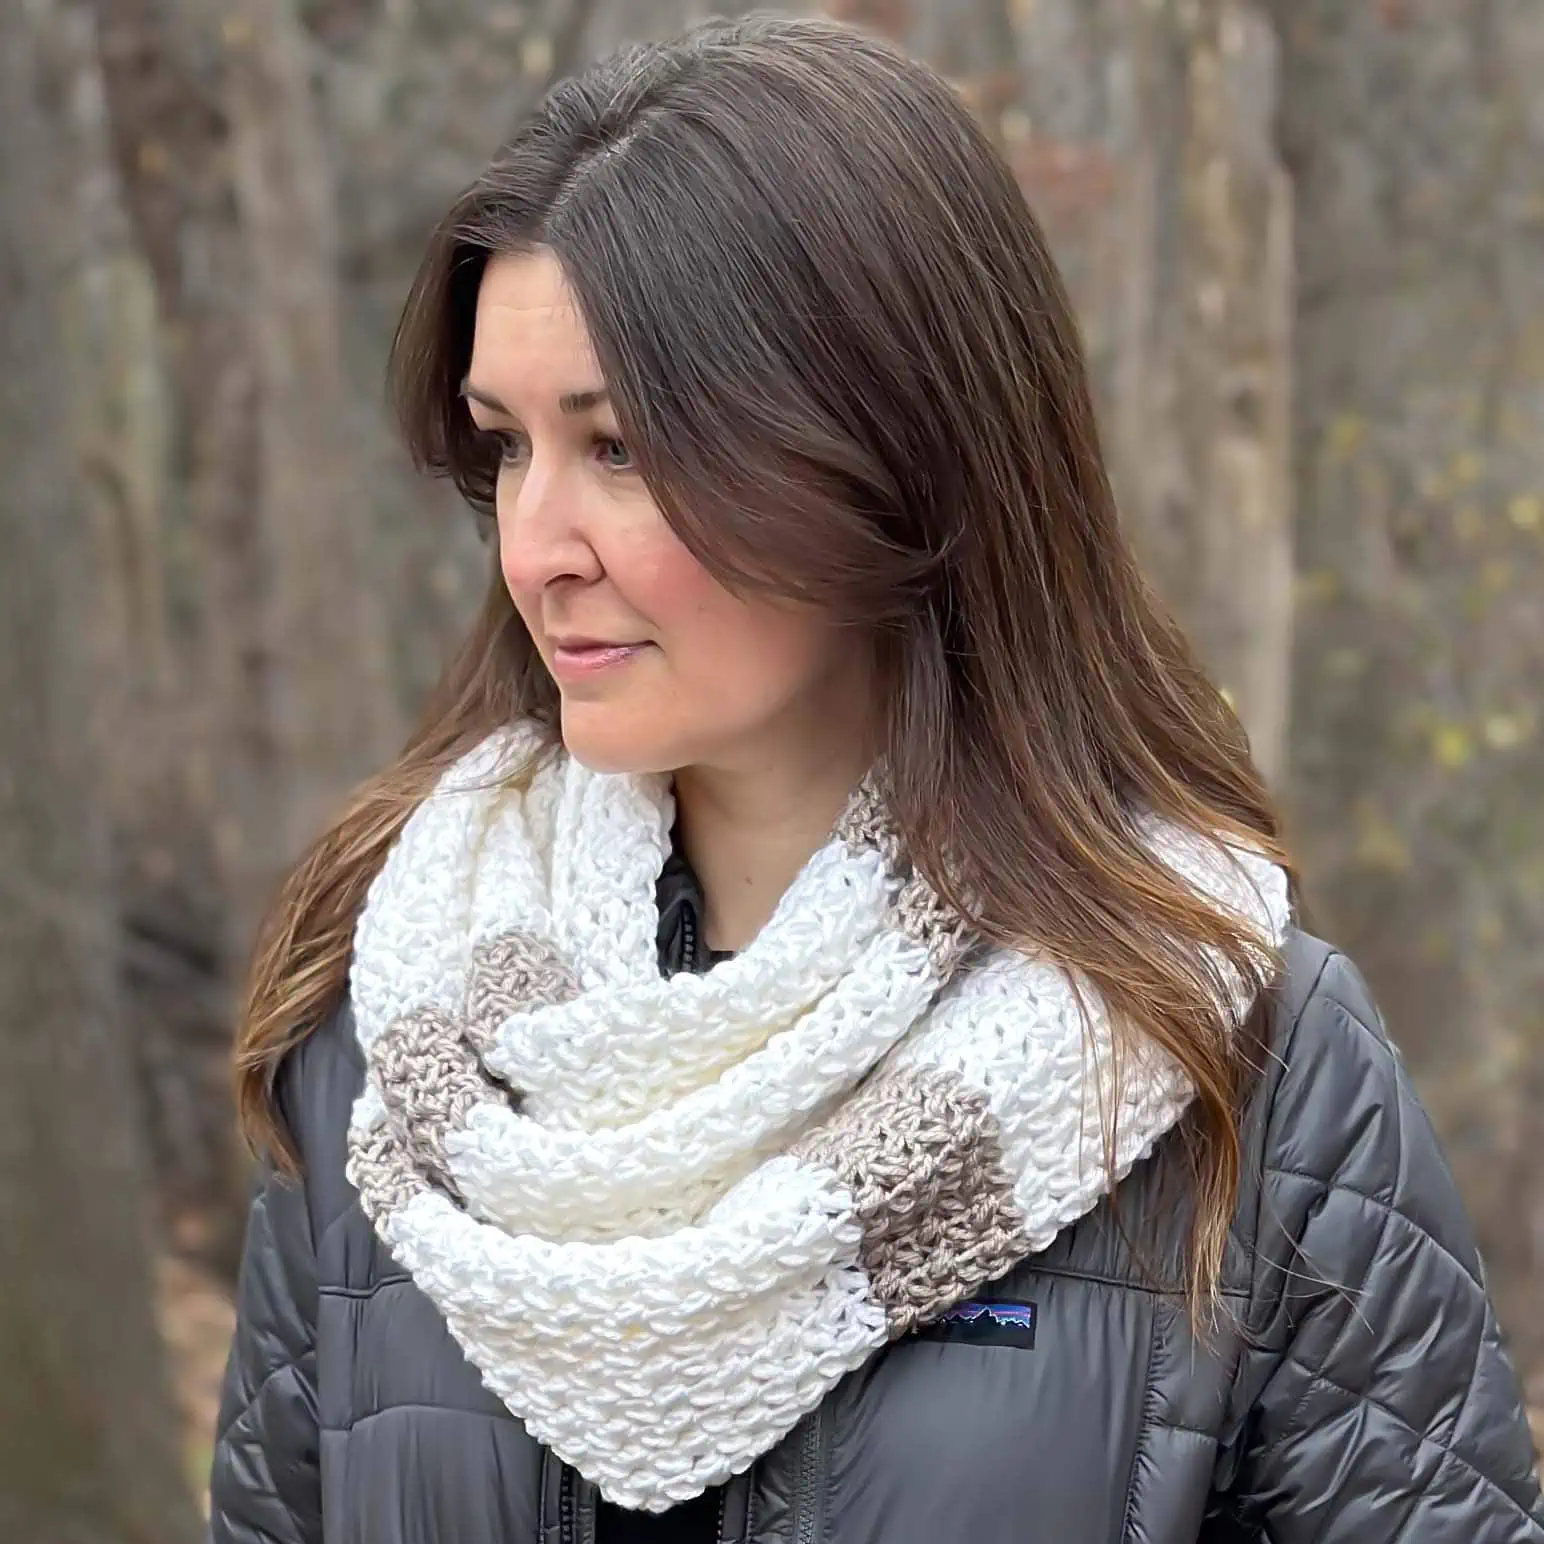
pixel 541 532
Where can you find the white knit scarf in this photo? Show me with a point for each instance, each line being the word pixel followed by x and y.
pixel 663 1217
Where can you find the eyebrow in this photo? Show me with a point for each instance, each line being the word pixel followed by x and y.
pixel 569 402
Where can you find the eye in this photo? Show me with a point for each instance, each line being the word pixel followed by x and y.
pixel 612 453
pixel 510 443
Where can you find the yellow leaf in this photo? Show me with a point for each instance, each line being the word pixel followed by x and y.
pixel 1504 731
pixel 1315 586
pixel 1346 433
pixel 1526 511
pixel 1451 746
pixel 1467 467
pixel 536 56
pixel 1379 844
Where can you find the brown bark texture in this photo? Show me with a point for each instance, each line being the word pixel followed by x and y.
pixel 1415 139
pixel 88 1446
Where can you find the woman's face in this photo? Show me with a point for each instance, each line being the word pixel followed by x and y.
pixel 659 666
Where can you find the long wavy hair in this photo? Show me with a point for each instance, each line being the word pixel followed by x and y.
pixel 845 363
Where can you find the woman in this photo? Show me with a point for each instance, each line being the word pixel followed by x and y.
pixel 809 1043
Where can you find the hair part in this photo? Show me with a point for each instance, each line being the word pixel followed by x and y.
pixel 846 365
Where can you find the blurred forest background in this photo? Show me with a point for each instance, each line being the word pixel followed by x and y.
pixel 1307 243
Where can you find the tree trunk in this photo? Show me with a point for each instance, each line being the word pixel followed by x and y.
pixel 206 755
pixel 1144 145
pixel 1417 150
pixel 323 627
pixel 226 171
pixel 1141 135
pixel 87 1437
pixel 289 695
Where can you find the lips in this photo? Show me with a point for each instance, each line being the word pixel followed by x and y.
pixel 578 643
pixel 576 658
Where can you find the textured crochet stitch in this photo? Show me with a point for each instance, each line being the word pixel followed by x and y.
pixel 664 1217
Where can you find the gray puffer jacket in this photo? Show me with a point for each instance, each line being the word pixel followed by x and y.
pixel 1357 1394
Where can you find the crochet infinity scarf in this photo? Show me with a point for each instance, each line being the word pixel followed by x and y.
pixel 663 1217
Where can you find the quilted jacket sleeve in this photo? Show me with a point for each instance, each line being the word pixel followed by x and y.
pixel 1387 1409
pixel 264 1485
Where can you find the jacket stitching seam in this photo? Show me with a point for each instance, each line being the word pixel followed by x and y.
pixel 1098 1279
pixel 290 1364
pixel 364 1294
pixel 341 1215
pixel 1191 1431
pixel 1253 1302
pixel 1413 1509
pixel 1253 1298
pixel 1420 1436
pixel 1377 1033
pixel 1389 1210
pixel 500 1419
pixel 1149 1419
pixel 1297 1020
pixel 1474 1376
pixel 1352 1309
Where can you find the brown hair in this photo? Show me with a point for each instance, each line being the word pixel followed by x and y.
pixel 846 365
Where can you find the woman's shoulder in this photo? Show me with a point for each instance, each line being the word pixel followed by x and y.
pixel 1333 1088
pixel 1336 1150
pixel 318 1080
pixel 1340 1137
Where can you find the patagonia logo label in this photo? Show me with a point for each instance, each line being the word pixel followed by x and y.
pixel 985 1324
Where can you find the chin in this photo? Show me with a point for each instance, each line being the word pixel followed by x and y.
pixel 607 739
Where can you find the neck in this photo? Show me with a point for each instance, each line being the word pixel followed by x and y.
pixel 748 833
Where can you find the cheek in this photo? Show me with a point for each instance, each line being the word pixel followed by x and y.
pixel 746 651
pixel 662 581
pixel 738 658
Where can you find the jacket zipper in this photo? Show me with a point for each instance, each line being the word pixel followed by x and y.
pixel 585 1515
pixel 566 1507
pixel 688 941
pixel 576 1508
pixel 734 1507
pixel 808 1479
